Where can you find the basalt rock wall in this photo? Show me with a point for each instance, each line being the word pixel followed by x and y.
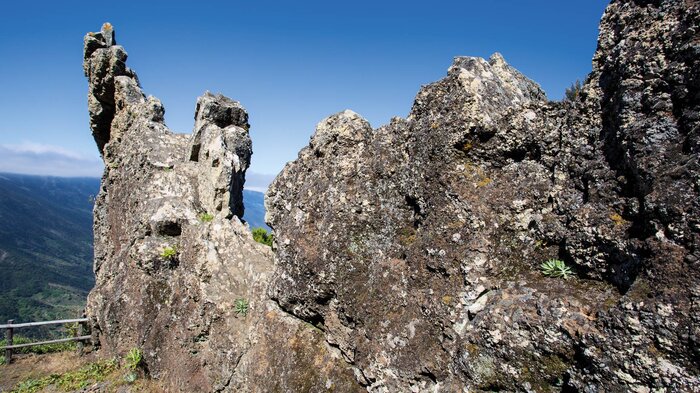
pixel 416 247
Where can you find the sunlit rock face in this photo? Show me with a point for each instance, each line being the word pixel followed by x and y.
pixel 172 257
pixel 416 247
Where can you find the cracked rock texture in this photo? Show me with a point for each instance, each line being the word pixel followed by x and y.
pixel 172 256
pixel 416 247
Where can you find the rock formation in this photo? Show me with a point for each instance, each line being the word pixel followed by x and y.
pixel 407 258
pixel 417 246
pixel 172 257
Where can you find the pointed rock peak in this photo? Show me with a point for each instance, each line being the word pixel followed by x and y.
pixel 495 80
pixel 220 110
pixel 108 34
pixel 497 59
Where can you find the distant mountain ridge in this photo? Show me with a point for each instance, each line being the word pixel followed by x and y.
pixel 46 244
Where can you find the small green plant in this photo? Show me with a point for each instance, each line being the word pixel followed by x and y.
pixel 206 217
pixel 240 307
pixel 260 235
pixel 133 359
pixel 169 253
pixel 556 268
pixel 131 377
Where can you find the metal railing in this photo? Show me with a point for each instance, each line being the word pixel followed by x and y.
pixel 11 326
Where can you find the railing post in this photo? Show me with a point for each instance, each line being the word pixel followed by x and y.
pixel 79 332
pixel 8 341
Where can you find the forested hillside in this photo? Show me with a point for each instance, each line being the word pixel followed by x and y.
pixel 45 246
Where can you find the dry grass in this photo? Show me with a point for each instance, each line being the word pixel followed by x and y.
pixel 35 367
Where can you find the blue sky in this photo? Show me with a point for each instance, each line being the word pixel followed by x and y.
pixel 289 63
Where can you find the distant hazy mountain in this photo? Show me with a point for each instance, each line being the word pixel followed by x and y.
pixel 46 244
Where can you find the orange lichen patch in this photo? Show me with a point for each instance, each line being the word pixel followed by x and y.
pixel 434 126
pixel 107 26
pixel 447 299
pixel 467 146
pixel 617 219
pixel 472 170
pixel 484 182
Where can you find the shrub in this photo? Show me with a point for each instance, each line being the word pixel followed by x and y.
pixel 571 93
pixel 260 235
pixel 556 268
pixel 72 329
pixel 240 307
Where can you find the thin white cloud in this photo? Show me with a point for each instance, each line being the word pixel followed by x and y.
pixel 39 148
pixel 40 159
pixel 258 181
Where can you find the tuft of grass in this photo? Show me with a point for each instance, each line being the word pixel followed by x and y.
pixel 206 217
pixel 169 253
pixel 260 235
pixel 556 268
pixel 240 307
pixel 133 359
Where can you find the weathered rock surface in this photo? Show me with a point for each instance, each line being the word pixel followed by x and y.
pixel 171 254
pixel 416 247
pixel 407 258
